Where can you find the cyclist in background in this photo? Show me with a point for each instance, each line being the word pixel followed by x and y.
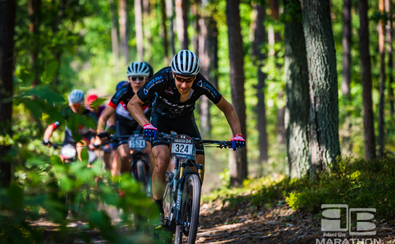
pixel 92 103
pixel 138 74
pixel 175 90
pixel 79 120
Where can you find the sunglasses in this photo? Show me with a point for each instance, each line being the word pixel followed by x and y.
pixel 135 78
pixel 77 106
pixel 182 80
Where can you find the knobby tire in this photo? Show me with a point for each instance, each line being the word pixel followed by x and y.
pixel 192 183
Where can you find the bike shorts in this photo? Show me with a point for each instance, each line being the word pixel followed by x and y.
pixel 125 127
pixel 183 125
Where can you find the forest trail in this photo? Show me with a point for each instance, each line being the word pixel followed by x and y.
pixel 221 223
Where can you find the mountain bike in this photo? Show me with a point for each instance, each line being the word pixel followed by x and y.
pixel 181 200
pixel 138 160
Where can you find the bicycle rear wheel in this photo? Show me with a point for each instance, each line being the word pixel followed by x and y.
pixel 190 209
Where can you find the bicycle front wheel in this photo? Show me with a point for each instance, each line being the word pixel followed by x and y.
pixel 140 168
pixel 190 208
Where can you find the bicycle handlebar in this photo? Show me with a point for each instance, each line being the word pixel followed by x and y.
pixel 219 144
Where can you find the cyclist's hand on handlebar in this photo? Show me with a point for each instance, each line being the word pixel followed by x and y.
pixel 238 142
pixel 150 131
pixel 46 142
pixel 103 136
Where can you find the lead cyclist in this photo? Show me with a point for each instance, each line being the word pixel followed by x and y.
pixel 175 90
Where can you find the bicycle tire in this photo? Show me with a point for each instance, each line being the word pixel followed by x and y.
pixel 192 182
pixel 140 167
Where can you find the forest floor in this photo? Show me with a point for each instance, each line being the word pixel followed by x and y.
pixel 221 223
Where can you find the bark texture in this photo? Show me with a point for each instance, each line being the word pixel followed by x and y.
pixel 366 72
pixel 321 61
pixel 138 16
pixel 170 15
pixel 34 29
pixel 123 30
pixel 259 40
pixel 7 31
pixel 164 29
pixel 204 59
pixel 346 44
pixel 381 28
pixel 238 165
pixel 297 93
pixel 114 35
pixel 390 58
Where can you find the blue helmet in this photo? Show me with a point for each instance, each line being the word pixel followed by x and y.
pixel 121 83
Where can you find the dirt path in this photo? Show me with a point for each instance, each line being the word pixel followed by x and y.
pixel 276 225
pixel 223 224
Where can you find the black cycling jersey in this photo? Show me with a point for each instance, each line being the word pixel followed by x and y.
pixel 120 102
pixel 82 127
pixel 162 88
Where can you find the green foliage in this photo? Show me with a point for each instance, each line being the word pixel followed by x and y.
pixel 44 185
pixel 358 183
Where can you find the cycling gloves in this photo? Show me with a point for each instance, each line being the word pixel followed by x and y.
pixel 238 142
pixel 150 131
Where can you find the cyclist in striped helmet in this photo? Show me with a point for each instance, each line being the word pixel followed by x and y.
pixel 175 90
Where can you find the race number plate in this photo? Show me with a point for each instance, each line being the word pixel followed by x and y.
pixel 182 148
pixel 136 143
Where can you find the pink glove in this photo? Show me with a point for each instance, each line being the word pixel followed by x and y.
pixel 150 131
pixel 238 142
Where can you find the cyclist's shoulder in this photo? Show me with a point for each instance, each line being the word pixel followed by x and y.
pixel 124 90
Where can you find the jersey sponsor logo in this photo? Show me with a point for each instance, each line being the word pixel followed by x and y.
pixel 145 91
pixel 210 89
pixel 169 91
pixel 152 83
pixel 200 83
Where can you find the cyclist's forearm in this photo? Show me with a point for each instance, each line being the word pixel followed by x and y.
pixel 233 120
pixel 137 112
pixel 107 113
pixel 48 132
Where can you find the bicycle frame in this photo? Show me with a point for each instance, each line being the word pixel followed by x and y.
pixel 178 182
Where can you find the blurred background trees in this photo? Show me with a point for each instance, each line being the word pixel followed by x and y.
pixel 254 61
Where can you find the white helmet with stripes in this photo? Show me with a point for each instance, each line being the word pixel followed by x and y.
pixel 76 96
pixel 139 68
pixel 185 63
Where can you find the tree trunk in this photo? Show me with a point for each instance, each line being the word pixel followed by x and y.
pixel 138 16
pixel 382 80
pixel 185 42
pixel 213 50
pixel 297 93
pixel 364 52
pixel 182 22
pixel 321 60
pixel 346 43
pixel 204 60
pixel 114 35
pixel 123 29
pixel 346 81
pixel 7 31
pixel 274 38
pixel 259 40
pixel 238 166
pixel 390 57
pixel 165 42
pixel 146 31
pixel 195 9
pixel 170 15
pixel 34 28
